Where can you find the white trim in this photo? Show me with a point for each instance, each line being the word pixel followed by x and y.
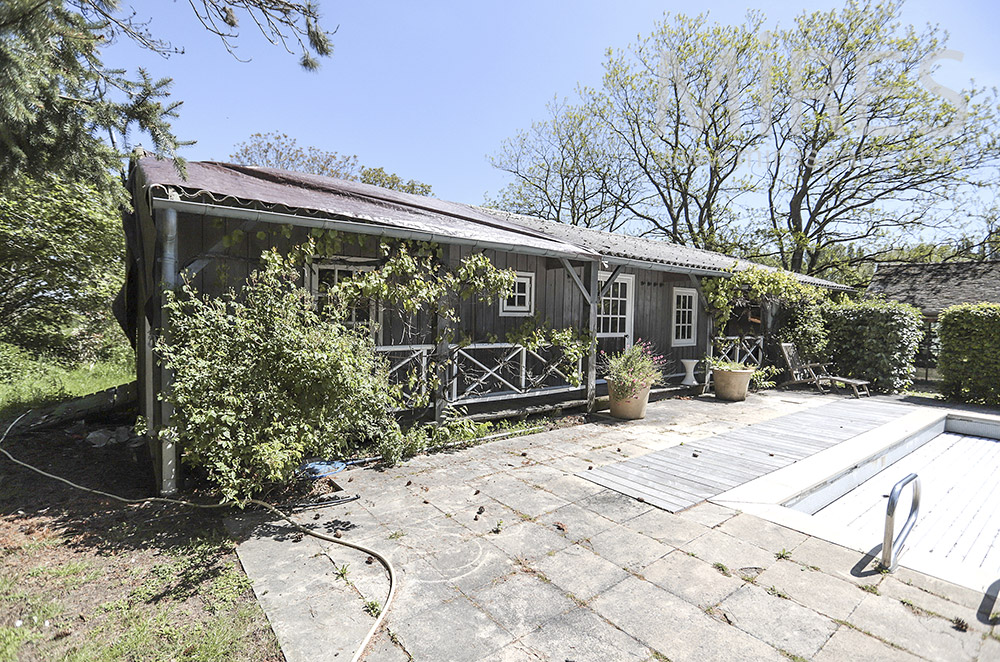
pixel 352 265
pixel 693 340
pixel 629 281
pixel 528 309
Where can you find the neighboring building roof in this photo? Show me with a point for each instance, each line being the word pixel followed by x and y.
pixel 613 245
pixel 932 287
pixel 283 191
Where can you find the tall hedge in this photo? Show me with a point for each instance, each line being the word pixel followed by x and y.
pixel 874 339
pixel 969 361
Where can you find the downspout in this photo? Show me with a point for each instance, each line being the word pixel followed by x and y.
pixel 168 282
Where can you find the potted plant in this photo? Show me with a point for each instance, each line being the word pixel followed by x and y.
pixel 630 374
pixel 731 378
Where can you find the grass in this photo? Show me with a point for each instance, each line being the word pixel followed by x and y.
pixel 188 601
pixel 45 382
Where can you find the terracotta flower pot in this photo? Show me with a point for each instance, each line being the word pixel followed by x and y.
pixel 731 385
pixel 631 408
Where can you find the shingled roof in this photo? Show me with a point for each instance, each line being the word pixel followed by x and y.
pixel 216 185
pixel 613 245
pixel 933 287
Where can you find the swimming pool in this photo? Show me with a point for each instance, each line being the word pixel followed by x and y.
pixel 840 494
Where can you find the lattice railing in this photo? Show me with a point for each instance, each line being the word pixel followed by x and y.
pixel 742 349
pixel 483 371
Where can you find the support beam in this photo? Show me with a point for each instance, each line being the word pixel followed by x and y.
pixel 576 279
pixel 609 282
pixel 590 274
pixel 167 222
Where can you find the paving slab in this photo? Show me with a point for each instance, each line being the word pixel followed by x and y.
pixel 576 523
pixel 580 572
pixel 677 629
pixel 777 621
pixel 522 602
pixel 715 546
pixel 614 506
pixel 708 514
pixel 528 541
pixel 583 636
pixel 456 631
pixel 816 590
pixel 627 549
pixel 766 535
pixel 849 645
pixel 692 579
pixel 666 527
pixel 927 636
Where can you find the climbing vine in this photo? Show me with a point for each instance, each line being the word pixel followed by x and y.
pixel 800 317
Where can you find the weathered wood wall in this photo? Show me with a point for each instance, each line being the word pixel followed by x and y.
pixel 558 301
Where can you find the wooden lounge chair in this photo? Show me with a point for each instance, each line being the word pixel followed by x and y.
pixel 816 373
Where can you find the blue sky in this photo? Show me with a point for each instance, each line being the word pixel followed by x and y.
pixel 429 89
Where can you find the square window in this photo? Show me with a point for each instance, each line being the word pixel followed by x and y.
pixel 521 301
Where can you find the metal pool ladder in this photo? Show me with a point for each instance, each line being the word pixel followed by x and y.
pixel 890 547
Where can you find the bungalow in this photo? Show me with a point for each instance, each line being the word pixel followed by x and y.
pixel 215 223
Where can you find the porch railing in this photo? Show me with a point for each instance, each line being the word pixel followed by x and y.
pixel 742 349
pixel 483 372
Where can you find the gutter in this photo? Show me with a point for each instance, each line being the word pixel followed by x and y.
pixel 261 216
pixel 665 266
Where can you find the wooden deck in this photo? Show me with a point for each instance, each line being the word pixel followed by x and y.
pixel 682 476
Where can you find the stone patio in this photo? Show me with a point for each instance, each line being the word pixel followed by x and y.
pixel 504 554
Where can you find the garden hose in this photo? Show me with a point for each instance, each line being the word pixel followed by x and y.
pixel 298 527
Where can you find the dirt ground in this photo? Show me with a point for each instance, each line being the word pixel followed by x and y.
pixel 87 578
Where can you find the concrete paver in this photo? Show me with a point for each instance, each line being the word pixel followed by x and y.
pixel 579 572
pixel 777 621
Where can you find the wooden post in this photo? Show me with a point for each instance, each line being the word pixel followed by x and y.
pixel 590 278
pixel 169 469
pixel 442 350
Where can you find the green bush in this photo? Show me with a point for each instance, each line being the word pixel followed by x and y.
pixel 874 339
pixel 969 361
pixel 261 383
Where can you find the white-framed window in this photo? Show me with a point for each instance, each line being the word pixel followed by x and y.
pixel 323 275
pixel 685 317
pixel 616 311
pixel 521 300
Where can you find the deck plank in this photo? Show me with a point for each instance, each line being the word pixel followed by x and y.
pixel 679 477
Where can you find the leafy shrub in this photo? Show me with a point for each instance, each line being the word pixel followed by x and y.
pixel 874 339
pixel 969 361
pixel 633 369
pixel 261 382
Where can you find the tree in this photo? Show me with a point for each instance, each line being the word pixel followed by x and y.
pixel 862 143
pixel 812 147
pixel 278 150
pixel 379 177
pixel 62 111
pixel 61 247
pixel 563 172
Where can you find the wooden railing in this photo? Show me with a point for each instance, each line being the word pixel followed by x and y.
pixel 742 349
pixel 483 372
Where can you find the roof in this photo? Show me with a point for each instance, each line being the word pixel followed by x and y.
pixel 932 287
pixel 613 245
pixel 302 194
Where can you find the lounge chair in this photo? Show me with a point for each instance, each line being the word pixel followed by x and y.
pixel 817 374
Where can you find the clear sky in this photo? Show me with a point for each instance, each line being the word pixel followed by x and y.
pixel 429 89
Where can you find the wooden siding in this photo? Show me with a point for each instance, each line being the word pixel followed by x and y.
pixel 558 302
